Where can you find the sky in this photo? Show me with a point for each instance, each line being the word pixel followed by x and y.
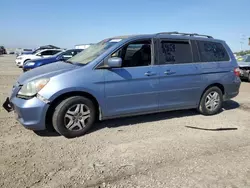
pixel 65 23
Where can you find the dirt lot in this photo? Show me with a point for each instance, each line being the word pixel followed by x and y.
pixel 174 149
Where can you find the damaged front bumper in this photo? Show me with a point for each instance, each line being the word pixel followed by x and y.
pixel 7 105
pixel 31 113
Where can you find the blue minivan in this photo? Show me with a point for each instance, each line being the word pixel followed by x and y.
pixel 127 76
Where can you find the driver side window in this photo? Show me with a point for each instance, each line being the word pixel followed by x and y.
pixel 135 54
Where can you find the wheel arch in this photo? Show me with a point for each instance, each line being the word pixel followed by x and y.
pixel 26 60
pixel 220 86
pixel 58 99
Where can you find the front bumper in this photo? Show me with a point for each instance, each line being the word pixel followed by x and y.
pixel 232 89
pixel 25 69
pixel 7 105
pixel 30 113
pixel 19 63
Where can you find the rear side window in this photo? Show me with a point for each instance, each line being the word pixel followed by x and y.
pixel 50 52
pixel 175 52
pixel 212 51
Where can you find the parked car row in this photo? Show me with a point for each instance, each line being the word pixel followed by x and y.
pixel 21 59
pixel 42 56
pixel 60 56
pixel 126 76
pixel 30 51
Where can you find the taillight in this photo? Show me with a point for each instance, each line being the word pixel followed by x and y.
pixel 237 72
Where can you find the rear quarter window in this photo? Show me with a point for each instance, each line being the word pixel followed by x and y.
pixel 212 51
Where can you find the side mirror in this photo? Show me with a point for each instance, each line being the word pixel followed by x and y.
pixel 114 62
pixel 39 54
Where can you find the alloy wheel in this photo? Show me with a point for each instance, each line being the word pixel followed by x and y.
pixel 212 101
pixel 77 117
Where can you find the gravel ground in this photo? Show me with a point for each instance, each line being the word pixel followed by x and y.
pixel 174 149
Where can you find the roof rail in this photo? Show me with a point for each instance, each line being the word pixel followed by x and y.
pixel 184 34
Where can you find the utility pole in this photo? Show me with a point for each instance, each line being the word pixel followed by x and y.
pixel 241 44
pixel 242 39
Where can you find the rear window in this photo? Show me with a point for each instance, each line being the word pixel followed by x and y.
pixel 212 51
pixel 175 52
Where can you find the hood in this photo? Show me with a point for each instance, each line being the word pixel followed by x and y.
pixel 46 71
pixel 243 64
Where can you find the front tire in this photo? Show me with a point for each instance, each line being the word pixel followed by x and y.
pixel 211 101
pixel 74 116
pixel 24 63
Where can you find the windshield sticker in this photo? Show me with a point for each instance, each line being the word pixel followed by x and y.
pixel 115 40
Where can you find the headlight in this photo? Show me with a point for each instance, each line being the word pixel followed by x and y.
pixel 19 57
pixel 32 88
pixel 29 63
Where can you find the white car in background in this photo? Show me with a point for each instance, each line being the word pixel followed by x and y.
pixel 20 60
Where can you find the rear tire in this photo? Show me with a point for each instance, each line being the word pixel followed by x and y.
pixel 74 116
pixel 211 101
pixel 248 79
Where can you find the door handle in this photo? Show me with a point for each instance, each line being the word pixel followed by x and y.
pixel 168 72
pixel 150 73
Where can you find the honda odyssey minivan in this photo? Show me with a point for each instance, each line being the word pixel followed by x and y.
pixel 126 76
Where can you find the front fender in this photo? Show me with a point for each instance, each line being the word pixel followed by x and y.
pixel 69 90
pixel 76 80
pixel 52 96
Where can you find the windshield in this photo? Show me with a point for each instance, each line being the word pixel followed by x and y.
pixel 59 53
pixel 93 51
pixel 35 51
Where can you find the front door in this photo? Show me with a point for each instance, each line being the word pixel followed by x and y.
pixel 180 79
pixel 131 89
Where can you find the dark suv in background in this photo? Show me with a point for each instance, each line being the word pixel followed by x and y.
pixel 2 50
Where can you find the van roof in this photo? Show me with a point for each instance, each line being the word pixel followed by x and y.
pixel 174 35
